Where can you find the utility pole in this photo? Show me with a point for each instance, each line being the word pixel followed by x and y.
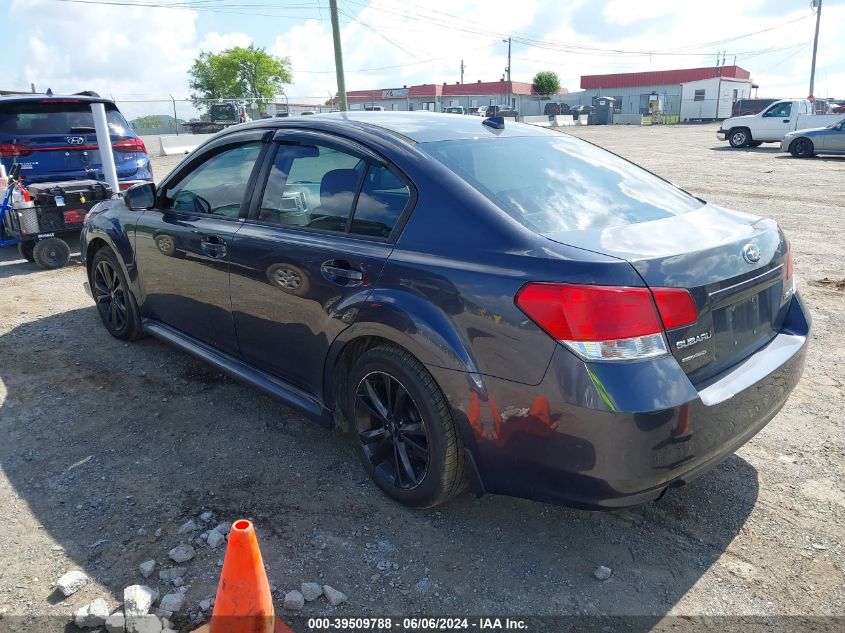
pixel 818 5
pixel 338 57
pixel 462 71
pixel 508 69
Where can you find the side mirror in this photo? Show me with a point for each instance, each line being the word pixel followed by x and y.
pixel 140 197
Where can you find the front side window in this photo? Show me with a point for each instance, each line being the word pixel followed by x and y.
pixel 780 110
pixel 559 183
pixel 216 186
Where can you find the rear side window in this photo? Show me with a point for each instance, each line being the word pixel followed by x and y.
pixel 28 118
pixel 382 200
pixel 320 187
pixel 559 183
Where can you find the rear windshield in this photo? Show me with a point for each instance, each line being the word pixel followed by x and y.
pixel 26 118
pixel 560 183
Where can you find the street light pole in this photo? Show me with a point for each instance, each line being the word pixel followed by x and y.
pixel 818 5
pixel 338 57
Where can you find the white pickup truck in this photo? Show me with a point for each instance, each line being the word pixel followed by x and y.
pixel 770 125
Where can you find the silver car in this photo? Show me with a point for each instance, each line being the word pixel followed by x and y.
pixel 819 140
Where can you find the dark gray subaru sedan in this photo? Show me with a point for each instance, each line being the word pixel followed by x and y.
pixel 479 303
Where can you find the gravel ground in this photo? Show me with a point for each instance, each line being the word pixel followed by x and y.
pixel 104 444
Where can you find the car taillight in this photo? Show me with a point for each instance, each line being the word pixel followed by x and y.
pixel 607 322
pixel 11 150
pixel 130 145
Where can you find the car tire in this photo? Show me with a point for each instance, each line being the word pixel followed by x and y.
pixel 51 253
pixel 739 137
pixel 402 427
pixel 802 148
pixel 116 306
pixel 25 250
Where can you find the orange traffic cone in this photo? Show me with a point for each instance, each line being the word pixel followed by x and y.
pixel 243 603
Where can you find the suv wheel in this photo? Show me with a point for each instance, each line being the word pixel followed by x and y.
pixel 403 428
pixel 115 303
pixel 739 137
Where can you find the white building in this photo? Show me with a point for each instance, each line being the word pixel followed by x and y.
pixel 712 99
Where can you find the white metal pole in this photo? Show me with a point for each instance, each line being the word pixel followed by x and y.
pixel 104 143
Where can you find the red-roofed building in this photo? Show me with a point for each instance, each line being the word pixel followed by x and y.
pixel 438 97
pixel 690 93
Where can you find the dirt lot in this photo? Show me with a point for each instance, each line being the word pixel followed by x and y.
pixel 103 443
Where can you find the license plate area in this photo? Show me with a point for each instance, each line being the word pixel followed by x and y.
pixel 744 325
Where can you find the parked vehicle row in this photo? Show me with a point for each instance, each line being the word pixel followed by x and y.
pixel 508 308
pixel 808 133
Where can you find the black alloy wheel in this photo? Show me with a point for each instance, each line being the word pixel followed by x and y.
pixel 802 148
pixel 391 431
pixel 110 296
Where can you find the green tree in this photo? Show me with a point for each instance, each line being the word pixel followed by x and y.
pixel 546 83
pixel 238 73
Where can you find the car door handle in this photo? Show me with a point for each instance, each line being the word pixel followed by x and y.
pixel 786 120
pixel 213 246
pixel 331 269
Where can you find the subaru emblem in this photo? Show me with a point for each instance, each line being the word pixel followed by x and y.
pixel 75 140
pixel 751 253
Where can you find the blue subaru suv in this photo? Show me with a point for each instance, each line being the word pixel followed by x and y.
pixel 52 138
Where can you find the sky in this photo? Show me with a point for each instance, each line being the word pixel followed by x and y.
pixel 139 51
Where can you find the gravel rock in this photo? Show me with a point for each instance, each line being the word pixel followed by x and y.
pixel 91 615
pixel 207 517
pixel 186 527
pixel 137 600
pixel 224 527
pixel 143 624
pixel 215 539
pixel 116 623
pixel 205 605
pixel 334 596
pixel 181 553
pixel 602 573
pixel 147 568
pixel 71 582
pixel 294 601
pixel 172 602
pixel 170 574
pixel 178 582
pixel 311 591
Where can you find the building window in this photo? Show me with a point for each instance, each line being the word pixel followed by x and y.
pixel 699 95
pixel 473 103
pixel 736 94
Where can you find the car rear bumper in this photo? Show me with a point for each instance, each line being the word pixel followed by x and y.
pixel 613 435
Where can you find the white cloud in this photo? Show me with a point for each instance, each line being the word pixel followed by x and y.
pixel 145 53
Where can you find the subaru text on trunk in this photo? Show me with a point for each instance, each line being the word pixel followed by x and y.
pixel 479 303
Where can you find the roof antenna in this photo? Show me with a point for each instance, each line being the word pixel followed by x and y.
pixel 49 92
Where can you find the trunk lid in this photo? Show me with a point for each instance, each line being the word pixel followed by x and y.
pixel 733 264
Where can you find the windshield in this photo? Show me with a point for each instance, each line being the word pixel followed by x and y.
pixel 838 124
pixel 25 118
pixel 560 183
